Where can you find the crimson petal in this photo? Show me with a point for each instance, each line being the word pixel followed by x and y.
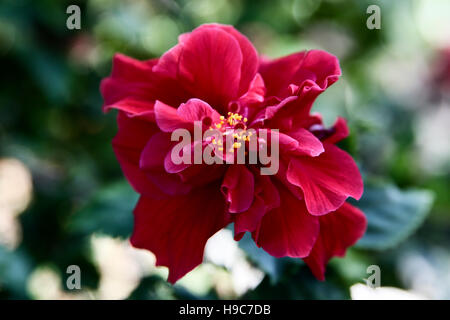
pixel 128 143
pixel 327 180
pixel 152 164
pixel 135 80
pixel 210 66
pixel 238 188
pixel 288 230
pixel 338 231
pixel 176 229
pixel 318 68
pixel 266 199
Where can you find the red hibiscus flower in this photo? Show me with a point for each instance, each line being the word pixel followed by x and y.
pixel 214 76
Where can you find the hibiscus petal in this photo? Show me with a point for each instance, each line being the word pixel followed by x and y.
pixel 339 131
pixel 167 65
pixel 152 163
pixel 302 75
pixel 210 66
pixel 197 110
pixel 198 175
pixel 194 174
pixel 250 61
pixel 270 111
pixel 176 229
pixel 135 108
pixel 327 180
pixel 168 118
pixel 281 175
pixel 135 80
pixel 318 67
pixel 238 188
pixel 172 167
pixel 125 67
pixel 128 143
pixel 266 199
pixel 288 230
pixel 250 102
pixel 307 143
pixel 338 231
pixel 278 73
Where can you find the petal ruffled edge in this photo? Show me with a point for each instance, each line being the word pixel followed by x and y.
pixel 338 231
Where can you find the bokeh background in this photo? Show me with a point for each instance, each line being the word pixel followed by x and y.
pixel 64 201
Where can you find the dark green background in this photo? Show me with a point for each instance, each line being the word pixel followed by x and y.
pixel 51 120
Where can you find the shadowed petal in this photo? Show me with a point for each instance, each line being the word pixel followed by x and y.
pixel 339 131
pixel 128 143
pixel 288 230
pixel 152 164
pixel 238 188
pixel 266 198
pixel 338 231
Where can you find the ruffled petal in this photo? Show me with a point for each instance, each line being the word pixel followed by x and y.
pixel 296 81
pixel 266 198
pixel 238 188
pixel 314 68
pixel 176 229
pixel 327 180
pixel 338 231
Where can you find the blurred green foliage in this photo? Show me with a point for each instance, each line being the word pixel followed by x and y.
pixel 51 119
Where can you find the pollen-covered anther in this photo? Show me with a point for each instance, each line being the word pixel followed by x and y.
pixel 235 126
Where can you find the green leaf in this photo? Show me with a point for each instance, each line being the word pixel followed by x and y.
pixel 392 214
pixel 110 212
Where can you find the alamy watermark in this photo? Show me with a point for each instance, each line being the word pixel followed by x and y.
pixel 73 281
pixel 374 280
pixel 74 20
pixel 374 20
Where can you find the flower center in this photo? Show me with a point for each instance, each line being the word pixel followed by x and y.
pixel 233 130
